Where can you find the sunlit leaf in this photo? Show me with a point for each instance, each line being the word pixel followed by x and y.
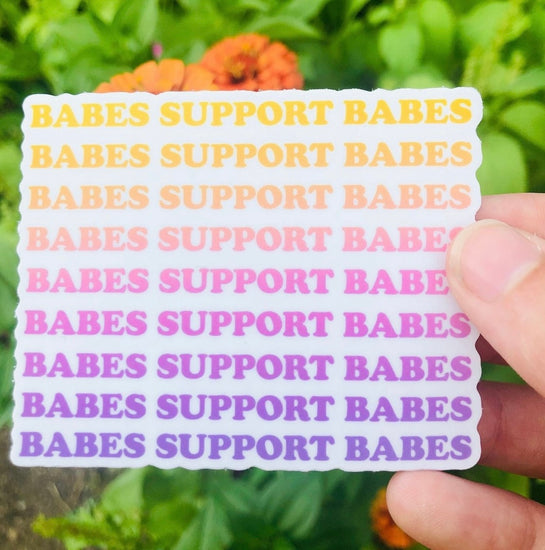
pixel 481 25
pixel 528 82
pixel 125 491
pixel 10 173
pixel 8 281
pixel 302 9
pixel 283 28
pixel 426 77
pixel 169 517
pixel 527 119
pixel 57 9
pixel 138 19
pixel 238 6
pixel 499 79
pixel 503 169
pixel 104 9
pixel 438 22
pixel 401 46
pixel 380 14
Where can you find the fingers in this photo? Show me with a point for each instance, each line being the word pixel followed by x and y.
pixel 488 353
pixel 444 512
pixel 497 275
pixel 447 513
pixel 511 428
pixel 524 210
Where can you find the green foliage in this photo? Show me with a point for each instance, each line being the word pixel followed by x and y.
pixel 151 509
pixel 57 46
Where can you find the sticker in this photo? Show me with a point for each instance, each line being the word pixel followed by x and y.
pixel 237 279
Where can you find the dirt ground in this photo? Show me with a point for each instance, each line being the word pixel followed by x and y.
pixel 27 492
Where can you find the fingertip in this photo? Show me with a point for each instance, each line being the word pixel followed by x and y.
pixel 489 258
pixel 407 497
pixel 443 511
pixel 496 273
pixel 396 489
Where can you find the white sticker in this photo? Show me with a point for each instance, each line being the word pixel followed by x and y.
pixel 237 279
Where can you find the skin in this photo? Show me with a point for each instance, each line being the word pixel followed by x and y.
pixel 444 512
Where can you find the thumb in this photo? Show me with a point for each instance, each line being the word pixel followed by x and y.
pixel 497 275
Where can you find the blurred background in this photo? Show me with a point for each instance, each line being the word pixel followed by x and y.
pixel 57 46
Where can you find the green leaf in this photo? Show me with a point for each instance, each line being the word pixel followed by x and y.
pixel 527 119
pixel 380 14
pixel 10 173
pixel 68 37
pixel 168 518
pixel 194 5
pixel 425 79
pixel 8 281
pixel 86 529
pixel 236 495
pixel 105 10
pixel 160 484
pixel 238 6
pixel 292 500
pixel 6 382
pixel 438 21
pixel 528 82
pixel 125 491
pixel 18 62
pixel 8 275
pixel 57 9
pixel 283 544
pixel 401 45
pixel 90 70
pixel 186 36
pixel 499 79
pixel 171 500
pixel 481 25
pixel 503 169
pixel 208 531
pixel 283 28
pixel 137 19
pixel 354 6
pixel 303 509
pixel 301 9
pixel 537 28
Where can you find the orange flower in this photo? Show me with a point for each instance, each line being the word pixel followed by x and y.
pixel 166 76
pixel 252 62
pixel 384 527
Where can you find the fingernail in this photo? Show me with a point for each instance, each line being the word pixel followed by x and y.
pixel 489 258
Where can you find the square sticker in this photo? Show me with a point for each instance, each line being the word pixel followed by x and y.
pixel 238 279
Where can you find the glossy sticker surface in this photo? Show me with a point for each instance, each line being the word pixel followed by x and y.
pixel 237 279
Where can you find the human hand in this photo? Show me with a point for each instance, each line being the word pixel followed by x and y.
pixel 497 275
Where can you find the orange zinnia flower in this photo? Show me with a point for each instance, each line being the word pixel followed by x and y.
pixel 166 76
pixel 384 527
pixel 252 62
